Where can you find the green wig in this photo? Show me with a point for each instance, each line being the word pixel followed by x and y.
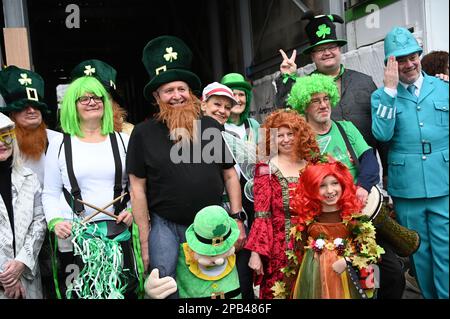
pixel 305 87
pixel 70 121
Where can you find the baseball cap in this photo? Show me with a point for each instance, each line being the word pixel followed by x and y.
pixel 216 88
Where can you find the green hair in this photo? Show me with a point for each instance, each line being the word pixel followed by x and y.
pixel 70 121
pixel 248 97
pixel 306 86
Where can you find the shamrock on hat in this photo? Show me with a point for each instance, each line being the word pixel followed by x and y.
pixel 213 232
pixel 103 72
pixel 321 30
pixel 168 59
pixel 21 88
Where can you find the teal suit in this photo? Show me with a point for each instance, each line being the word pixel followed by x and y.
pixel 418 173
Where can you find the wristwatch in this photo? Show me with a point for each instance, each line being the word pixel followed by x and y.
pixel 241 215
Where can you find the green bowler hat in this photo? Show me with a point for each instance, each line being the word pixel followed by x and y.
pixel 168 59
pixel 21 88
pixel 235 80
pixel 213 232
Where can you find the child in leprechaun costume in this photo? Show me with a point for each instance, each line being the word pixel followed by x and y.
pixel 206 263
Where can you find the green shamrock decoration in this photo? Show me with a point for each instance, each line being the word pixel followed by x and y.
pixel 323 31
pixel 219 230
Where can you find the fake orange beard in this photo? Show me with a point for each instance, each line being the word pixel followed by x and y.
pixel 180 120
pixel 32 143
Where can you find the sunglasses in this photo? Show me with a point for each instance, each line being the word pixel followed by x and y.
pixel 7 137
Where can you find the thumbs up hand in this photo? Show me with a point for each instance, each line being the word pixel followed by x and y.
pixel 159 288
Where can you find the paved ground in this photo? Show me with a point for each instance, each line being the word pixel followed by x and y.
pixel 412 290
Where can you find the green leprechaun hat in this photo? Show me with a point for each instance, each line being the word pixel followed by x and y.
pixel 321 30
pixel 102 71
pixel 168 59
pixel 21 88
pixel 213 232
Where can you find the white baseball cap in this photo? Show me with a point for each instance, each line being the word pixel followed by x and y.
pixel 216 88
pixel 5 122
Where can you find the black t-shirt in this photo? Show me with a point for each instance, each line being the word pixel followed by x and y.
pixel 181 179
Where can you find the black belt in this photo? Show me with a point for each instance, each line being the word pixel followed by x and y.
pixel 216 241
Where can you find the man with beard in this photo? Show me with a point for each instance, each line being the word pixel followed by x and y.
pixel 23 92
pixel 172 172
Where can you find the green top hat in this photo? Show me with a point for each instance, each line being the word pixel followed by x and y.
pixel 168 59
pixel 21 88
pixel 321 30
pixel 213 232
pixel 400 42
pixel 102 71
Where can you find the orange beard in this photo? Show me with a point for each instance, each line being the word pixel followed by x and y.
pixel 180 118
pixel 32 143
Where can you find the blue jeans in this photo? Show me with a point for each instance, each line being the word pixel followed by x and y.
pixel 164 245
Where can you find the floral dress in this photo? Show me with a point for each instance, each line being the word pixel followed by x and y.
pixel 326 244
pixel 269 234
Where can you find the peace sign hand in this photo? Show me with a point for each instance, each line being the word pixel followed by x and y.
pixel 288 65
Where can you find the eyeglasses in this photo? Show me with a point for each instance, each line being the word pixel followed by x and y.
pixel 330 48
pixel 318 102
pixel 7 137
pixel 85 100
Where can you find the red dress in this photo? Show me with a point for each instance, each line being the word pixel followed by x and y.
pixel 269 233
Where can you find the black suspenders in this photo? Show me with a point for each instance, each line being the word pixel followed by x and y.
pixel 75 193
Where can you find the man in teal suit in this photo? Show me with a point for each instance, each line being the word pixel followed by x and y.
pixel 411 112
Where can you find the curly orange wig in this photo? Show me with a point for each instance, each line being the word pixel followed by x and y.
pixel 305 139
pixel 307 201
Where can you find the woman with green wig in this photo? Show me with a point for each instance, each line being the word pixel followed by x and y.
pixel 85 168
pixel 246 128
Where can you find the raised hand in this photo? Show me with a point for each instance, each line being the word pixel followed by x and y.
pixel 288 65
pixel 391 74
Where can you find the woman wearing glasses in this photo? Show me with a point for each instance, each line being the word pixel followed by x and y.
pixel 85 168
pixel 22 221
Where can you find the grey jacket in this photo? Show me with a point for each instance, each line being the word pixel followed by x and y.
pixel 29 225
